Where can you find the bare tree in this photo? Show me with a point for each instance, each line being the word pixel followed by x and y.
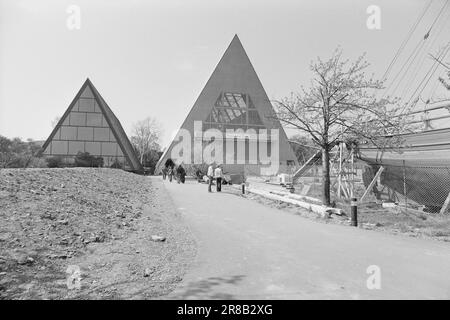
pixel 146 136
pixel 55 121
pixel 303 147
pixel 340 106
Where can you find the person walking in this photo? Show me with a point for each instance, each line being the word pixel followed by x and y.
pixel 181 174
pixel 176 174
pixel 218 174
pixel 170 174
pixel 210 175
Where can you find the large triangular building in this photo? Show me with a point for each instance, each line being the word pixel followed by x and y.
pixel 234 98
pixel 89 125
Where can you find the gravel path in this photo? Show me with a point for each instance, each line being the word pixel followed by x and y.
pixel 247 250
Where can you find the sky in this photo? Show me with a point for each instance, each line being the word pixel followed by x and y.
pixel 152 58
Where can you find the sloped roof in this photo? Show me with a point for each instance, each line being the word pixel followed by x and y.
pixel 114 124
pixel 234 74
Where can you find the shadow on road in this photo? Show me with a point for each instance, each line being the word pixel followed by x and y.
pixel 210 288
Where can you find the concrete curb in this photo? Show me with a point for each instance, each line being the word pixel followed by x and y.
pixel 289 198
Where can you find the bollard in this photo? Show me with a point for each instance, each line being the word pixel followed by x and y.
pixel 243 188
pixel 291 188
pixel 354 212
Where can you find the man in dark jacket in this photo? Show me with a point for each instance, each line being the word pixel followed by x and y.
pixel 181 173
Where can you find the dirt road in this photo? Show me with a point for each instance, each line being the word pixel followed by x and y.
pixel 250 251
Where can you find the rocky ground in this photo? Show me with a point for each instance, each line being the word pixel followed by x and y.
pixel 88 234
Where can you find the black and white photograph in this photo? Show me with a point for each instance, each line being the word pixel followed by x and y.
pixel 217 157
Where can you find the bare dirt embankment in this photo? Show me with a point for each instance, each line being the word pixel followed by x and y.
pixel 54 222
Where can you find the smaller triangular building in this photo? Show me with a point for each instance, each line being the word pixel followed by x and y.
pixel 89 125
pixel 234 98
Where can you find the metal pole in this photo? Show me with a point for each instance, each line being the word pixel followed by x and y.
pixel 353 173
pixel 404 186
pixel 354 212
pixel 340 170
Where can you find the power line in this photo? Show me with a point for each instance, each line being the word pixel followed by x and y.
pixel 414 54
pixel 430 72
pixel 408 67
pixel 440 12
pixel 423 55
pixel 405 41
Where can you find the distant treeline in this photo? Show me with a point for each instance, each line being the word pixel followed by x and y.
pixel 15 153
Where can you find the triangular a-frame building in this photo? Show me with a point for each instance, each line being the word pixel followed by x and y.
pixel 89 125
pixel 234 98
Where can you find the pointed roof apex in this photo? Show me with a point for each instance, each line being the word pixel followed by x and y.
pixel 235 44
pixel 236 38
pixel 87 82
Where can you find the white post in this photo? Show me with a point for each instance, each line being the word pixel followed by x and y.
pixel 340 171
pixel 446 205
pixel 353 174
pixel 371 184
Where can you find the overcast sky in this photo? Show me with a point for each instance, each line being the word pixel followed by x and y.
pixel 152 58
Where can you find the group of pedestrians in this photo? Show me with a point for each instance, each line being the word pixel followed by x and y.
pixel 217 174
pixel 178 172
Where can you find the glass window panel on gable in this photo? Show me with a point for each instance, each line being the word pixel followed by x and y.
pixel 231 114
pixel 253 118
pixel 221 101
pixel 240 117
pixel 231 100
pixel 221 116
pixel 235 110
pixel 241 101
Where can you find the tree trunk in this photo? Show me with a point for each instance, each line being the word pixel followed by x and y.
pixel 326 176
pixel 142 155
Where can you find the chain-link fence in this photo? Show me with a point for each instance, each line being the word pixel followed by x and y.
pixel 423 188
pixel 412 186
